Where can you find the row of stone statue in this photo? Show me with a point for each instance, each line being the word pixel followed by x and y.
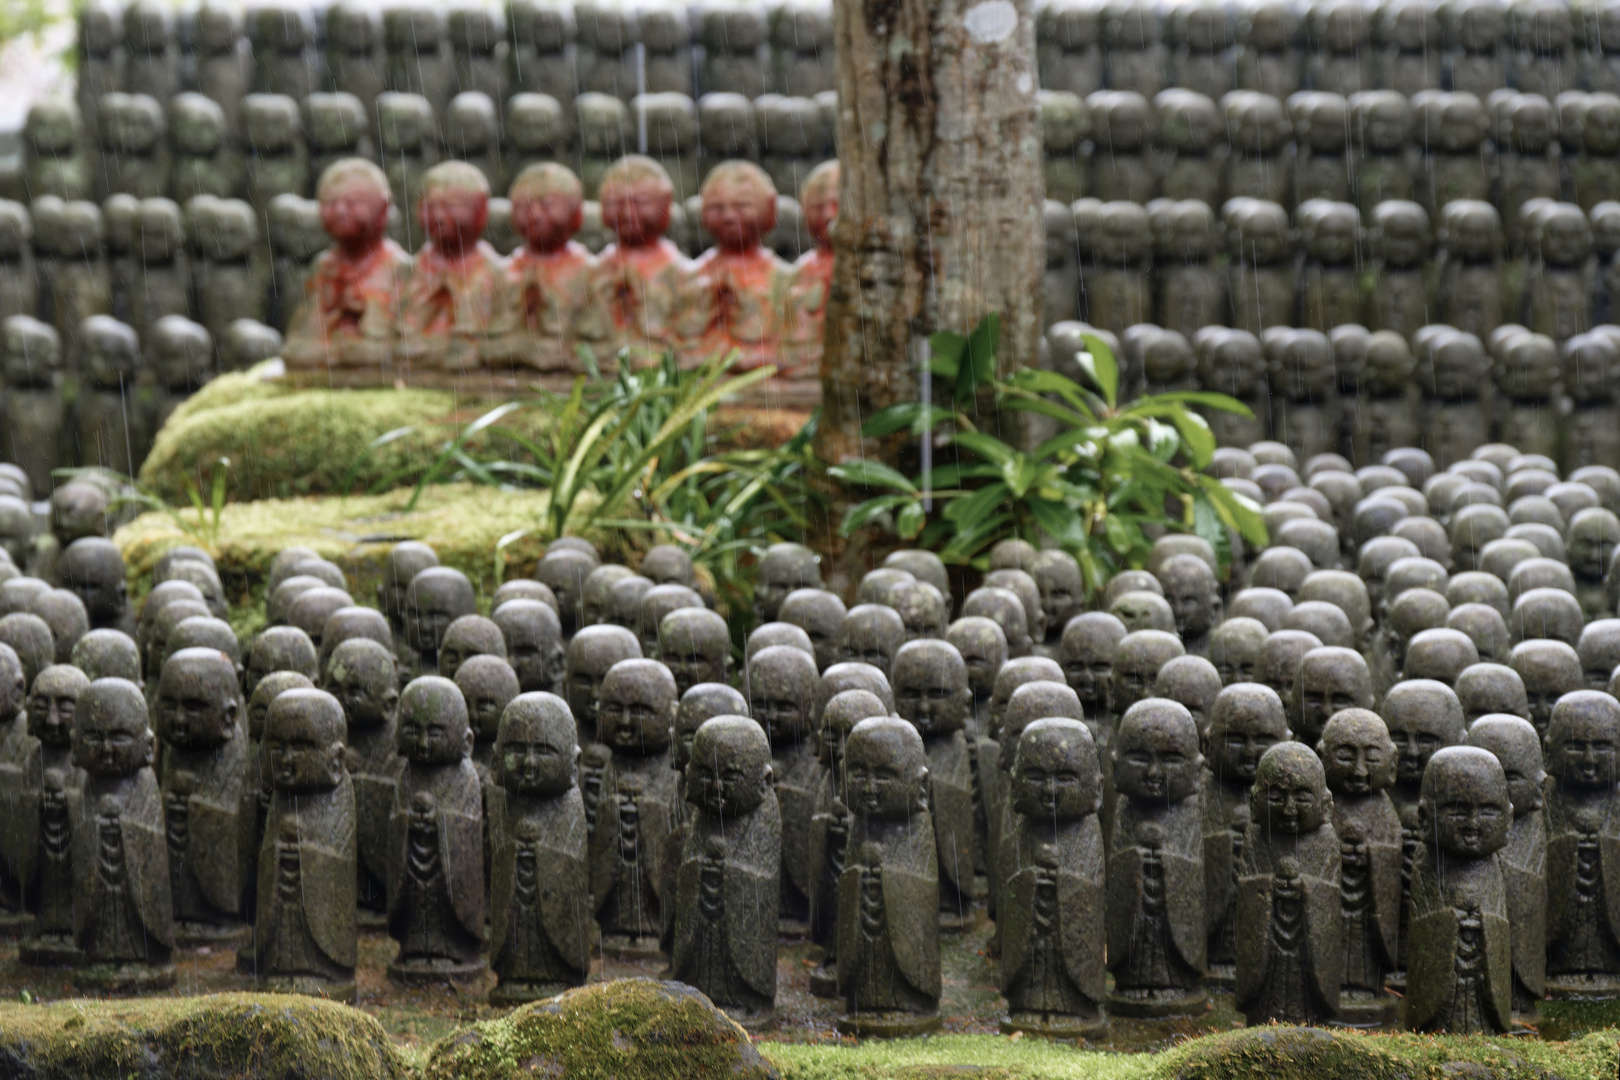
pixel 1435 147
pixel 187 145
pixel 1117 264
pixel 1361 395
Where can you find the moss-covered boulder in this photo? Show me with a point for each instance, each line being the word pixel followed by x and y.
pixel 284 442
pixel 1302 1053
pixel 630 1029
pixel 464 523
pixel 224 1037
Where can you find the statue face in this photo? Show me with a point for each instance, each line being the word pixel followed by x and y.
pixel 547 222
pixel 735 214
pixel 930 689
pixel 636 708
pixel 1357 756
pixel 52 701
pixel 1289 796
pixel 1088 660
pixel 1582 754
pixel 885 772
pixel 489 685
pixel 984 650
pixel 98 582
pixel 819 214
pixel 1330 684
pixel 1245 732
pixel 1156 760
pixel 433 726
pixel 196 702
pixel 433 602
pixel 730 770
pixel 536 758
pixel 354 212
pixel 695 651
pixel 1465 804
pixel 533 642
pixel 637 211
pixel 1052 781
pixel 112 741
pixel 365 685
pixel 784 568
pixel 1417 733
pixel 454 218
pixel 298 755
pixel 781 689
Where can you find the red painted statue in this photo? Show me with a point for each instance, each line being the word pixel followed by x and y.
pixel 549 277
pixel 636 286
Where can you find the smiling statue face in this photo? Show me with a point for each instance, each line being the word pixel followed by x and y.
pixel 1357 753
pixel 930 687
pixel 1582 741
pixel 637 707
pixel 1056 777
pixel 1465 805
pixel 886 769
pixel 303 741
pixel 197 701
pixel 433 727
pixel 1290 795
pixel 110 736
pixel 730 770
pixel 535 748
pixel 52 701
pixel 1247 720
pixel 1156 755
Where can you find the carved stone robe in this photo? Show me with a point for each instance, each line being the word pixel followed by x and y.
pixel 888 918
pixel 798 779
pixel 1052 938
pixel 1289 929
pixel 628 845
pixel 1524 870
pixel 1460 954
pixel 725 908
pixel 375 767
pixel 349 316
pixel 539 897
pixel 121 905
pixel 1583 883
pixel 1369 888
pixel 306 905
pixel 436 898
pixel 1157 933
pixel 211 837
pixel 950 777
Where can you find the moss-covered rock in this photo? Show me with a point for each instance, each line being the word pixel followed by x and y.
pixel 236 1036
pixel 284 442
pixel 463 523
pixel 629 1029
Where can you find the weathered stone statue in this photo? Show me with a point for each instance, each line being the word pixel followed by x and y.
pixel 636 285
pixel 539 929
pixel 1527 158
pixel 1471 294
pixel 1324 166
pixel 783 568
pixel 1194 595
pixel 1359 762
pixel 534 645
pixel 123 921
pixel 1246 721
pixel 1558 287
pixel 1156 893
pixel 1289 925
pixel 549 277
pixel 887 895
pixel 931 692
pixel 1592 430
pixel 1460 963
pixel 591 654
pixel 1453 372
pixel 1232 362
pixel 350 309
pixel 1260 280
pixel 437 597
pixel 1331 234
pixel 726 885
pixel 436 901
pixel 488 684
pixel 207 805
pixel 1524 859
pixel 1121 164
pixel 1548 670
pixel 734 295
pixel 1260 166
pixel 636 810
pixel 695 645
pixel 305 939
pixel 1330 680
pixel 1052 893
pixel 1583 939
pixel 781 697
pixel 37 787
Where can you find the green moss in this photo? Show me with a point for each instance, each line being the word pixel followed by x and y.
pixel 947 1057
pixel 283 442
pixel 240 1036
pixel 462 522
pixel 630 1029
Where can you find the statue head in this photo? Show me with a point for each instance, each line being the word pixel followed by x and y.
pixel 1357 752
pixel 636 707
pixel 871 634
pixel 1290 794
pixel 1014 674
pixel 280 648
pixel 1246 721
pixel 110 735
pixel 886 769
pixel 782 692
pixel 1517 747
pixel 1549 670
pixel 488 684
pixel 437 597
pixel 453 205
pixel 102 654
pixel 819 197
pixel 198 699
pixel 598 588
pixel 922 608
pixel 1002 607
pixel 695 644
pixel 1235 645
pixel 302 749
pixel 433 723
pixel 93 568
pixel 930 682
pixel 534 645
pixel 1057 776
pixel 820 614
pixel 354 198
pixel 52 701
pixel 535 748
pixel 1483 689
pixel 1137 660
pixel 730 773
pixel 1022 585
pixel 404 561
pixel 1582 740
pixel 1485 627
pixel 983 648
pixel 636 195
pixel 783 568
pixel 1194 682
pixel 1464 809
pixel 563 570
pixel 1422 716
pixel 1156 758
pixel 1193 593
pixel 271 686
pixel 1029 703
pixel 63 612
pixel 656 604
pixel 843 711
pixel 468 636
pixel 700 703
pixel 548 206
pixel 739 205
pixel 1439 654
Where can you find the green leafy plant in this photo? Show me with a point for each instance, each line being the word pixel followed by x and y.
pixel 1112 473
pixel 200 522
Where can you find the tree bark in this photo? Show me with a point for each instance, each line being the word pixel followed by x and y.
pixel 939 218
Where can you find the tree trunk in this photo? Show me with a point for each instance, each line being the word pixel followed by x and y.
pixel 939 218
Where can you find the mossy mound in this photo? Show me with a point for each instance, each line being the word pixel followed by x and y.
pixel 240 1036
pixel 1287 1053
pixel 463 523
pixel 284 442
pixel 629 1029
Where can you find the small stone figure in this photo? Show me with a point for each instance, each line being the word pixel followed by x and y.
pixel 888 925
pixel 277 154
pixel 1116 246
pixel 1460 968
pixel 1330 680
pixel 1527 163
pixel 1558 287
pixel 436 884
pixel 1303 381
pixel 39 788
pixel 455 303
pixel 229 277
pixel 1268 56
pixel 549 277
pixel 19 285
pixel 1526 372
pixel 1592 429
pixel 1582 936
pixel 1289 925
pixel 636 284
pixel 781 697
pixel 1524 859
pixel 1400 298
pixel 1259 166
pixel 726 885
pixel 407 136
pixel 305 939
pixel 437 597
pixel 361 675
pixel 1121 162
pixel 31 363
pixel 812 274
pixel 1331 235
pixel 1451 128
pixel 1260 279
pixel 695 645
pixel 1359 759
pixel 123 921
pixel 134 153
pixel 1231 362
pixel 1386 162
pixel 1156 913
pixel 1453 372
pixel 1190 293
pixel 734 295
pixel 636 810
pixel 1052 937
pixel 205 162
pixel 1323 168
pixel 783 568
pixel 350 308
pixel 539 930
